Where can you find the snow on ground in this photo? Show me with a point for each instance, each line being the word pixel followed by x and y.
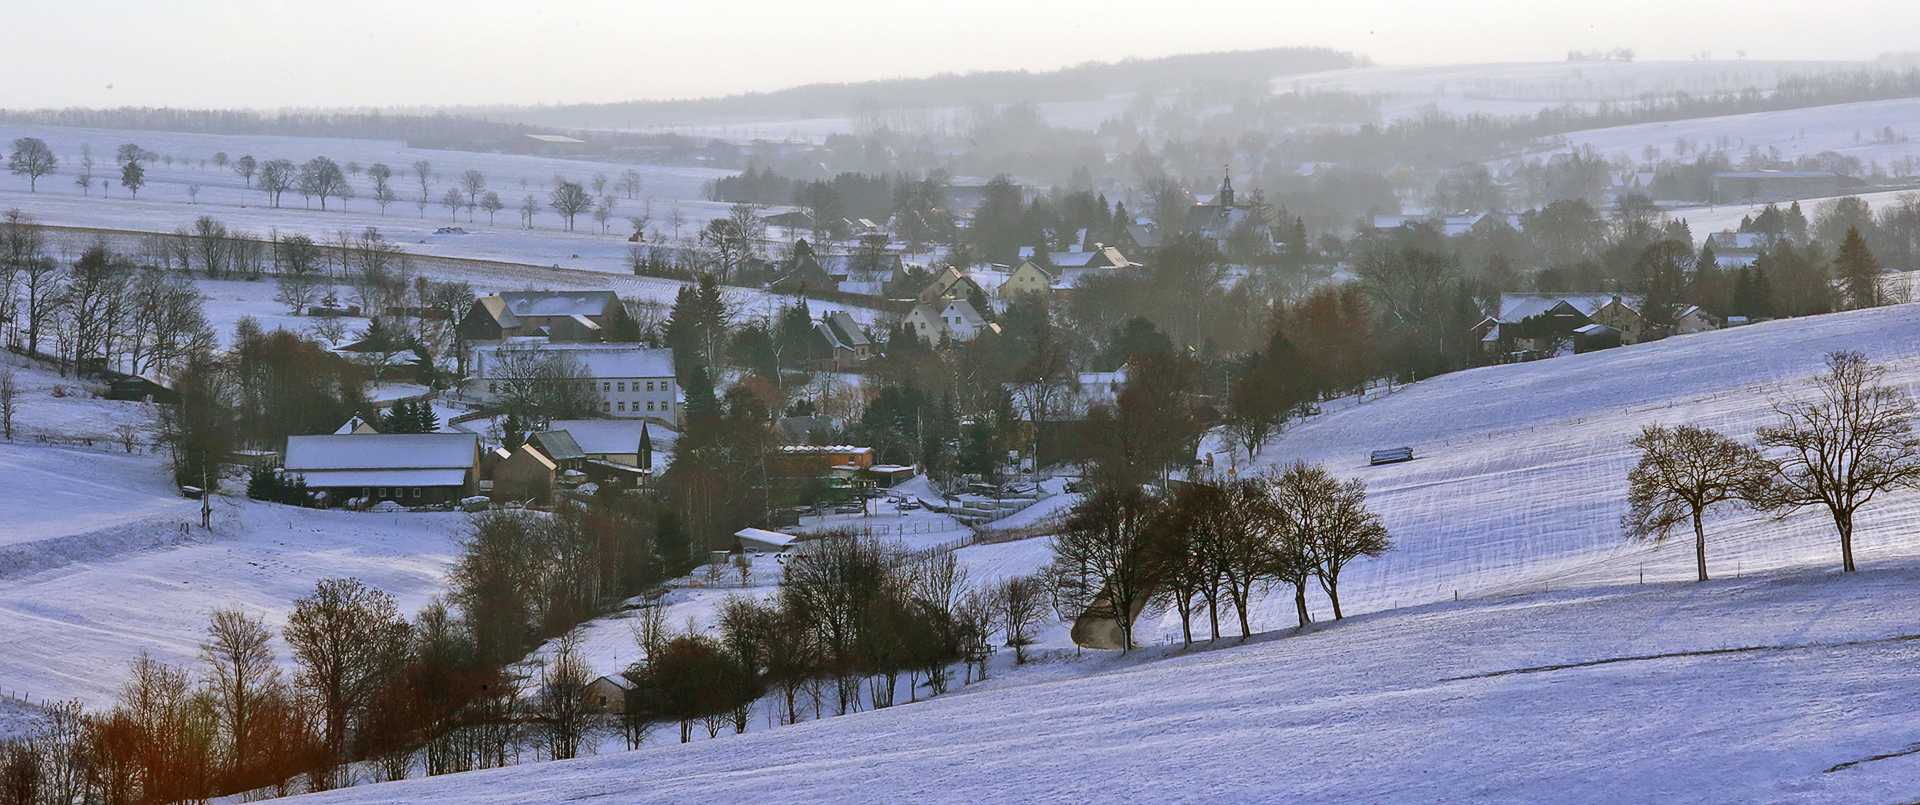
pixel 70 621
pixel 1408 706
pixel 1524 88
pixel 101 558
pixel 1520 479
pixel 1847 129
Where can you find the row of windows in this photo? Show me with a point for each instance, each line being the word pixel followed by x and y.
pixel 609 386
pixel 609 406
pixel 493 387
pixel 398 492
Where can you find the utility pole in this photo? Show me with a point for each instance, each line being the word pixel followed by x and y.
pixel 206 502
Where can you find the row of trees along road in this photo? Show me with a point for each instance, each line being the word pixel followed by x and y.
pixel 1838 449
pixel 1127 550
pixel 322 178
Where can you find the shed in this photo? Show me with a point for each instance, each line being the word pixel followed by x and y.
pixel 608 694
pixel 758 540
pixel 526 475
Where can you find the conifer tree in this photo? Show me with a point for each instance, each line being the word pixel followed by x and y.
pixel 1859 272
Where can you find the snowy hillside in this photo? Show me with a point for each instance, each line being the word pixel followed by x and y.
pixel 1559 675
pixel 101 558
pixel 1409 706
pixel 1521 475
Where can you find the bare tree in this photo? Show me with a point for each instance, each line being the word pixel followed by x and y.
pixel 33 159
pixel 239 655
pixel 566 721
pixel 1840 449
pixel 603 212
pixel 85 177
pixel 1101 563
pixel 383 192
pixel 1682 472
pixel 1020 603
pixel 539 385
pixel 322 177
pixel 348 639
pixel 529 206
pixel 276 178
pixel 424 171
pixel 9 400
pixel 1332 520
pixel 245 166
pixel 473 183
pixel 492 204
pixel 569 199
pixel 453 199
pixel 629 183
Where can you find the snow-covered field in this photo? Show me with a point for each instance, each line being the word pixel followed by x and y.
pixel 101 558
pixel 1399 707
pixel 1560 675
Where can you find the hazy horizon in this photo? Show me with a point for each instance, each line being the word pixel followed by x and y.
pixel 356 53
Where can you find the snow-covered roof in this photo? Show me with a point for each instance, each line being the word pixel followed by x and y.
pixel 601 437
pixel 600 360
pixel 809 449
pixel 558 303
pixel 771 539
pixel 381 451
pixel 1517 306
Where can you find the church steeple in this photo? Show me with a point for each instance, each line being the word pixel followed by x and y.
pixel 1226 188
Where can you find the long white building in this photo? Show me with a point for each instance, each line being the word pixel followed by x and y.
pixel 632 381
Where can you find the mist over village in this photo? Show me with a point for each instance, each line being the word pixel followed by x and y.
pixel 1072 402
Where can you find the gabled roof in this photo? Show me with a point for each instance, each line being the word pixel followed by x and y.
pixel 846 329
pixel 559 445
pixel 378 451
pixel 603 437
pixel 558 303
pixel 1517 306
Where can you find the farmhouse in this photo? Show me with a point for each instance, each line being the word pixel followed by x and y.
pixel 840 344
pixel 559 316
pixel 414 469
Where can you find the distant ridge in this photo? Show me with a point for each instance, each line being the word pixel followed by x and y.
pixel 1082 82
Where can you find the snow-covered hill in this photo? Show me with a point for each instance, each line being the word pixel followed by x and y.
pixel 1418 705
pixel 1559 676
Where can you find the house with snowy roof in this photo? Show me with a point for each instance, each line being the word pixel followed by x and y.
pixel 560 316
pixel 839 343
pixel 413 469
pixel 1539 322
pixel 955 318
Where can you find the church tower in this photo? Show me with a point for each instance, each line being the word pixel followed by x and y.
pixel 1225 199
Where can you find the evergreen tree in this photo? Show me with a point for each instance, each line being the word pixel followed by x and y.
pixel 1796 223
pixel 1273 383
pixel 1858 271
pixel 513 432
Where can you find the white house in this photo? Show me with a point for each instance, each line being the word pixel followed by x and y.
pixel 631 381
pixel 951 318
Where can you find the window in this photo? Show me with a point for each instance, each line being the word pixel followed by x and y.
pixel 623 407
pixel 416 491
pixel 623 385
pixel 606 406
pixel 608 387
pixel 493 388
pixel 649 405
pixel 649 385
pixel 383 491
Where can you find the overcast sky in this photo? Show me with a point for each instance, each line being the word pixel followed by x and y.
pixel 277 53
